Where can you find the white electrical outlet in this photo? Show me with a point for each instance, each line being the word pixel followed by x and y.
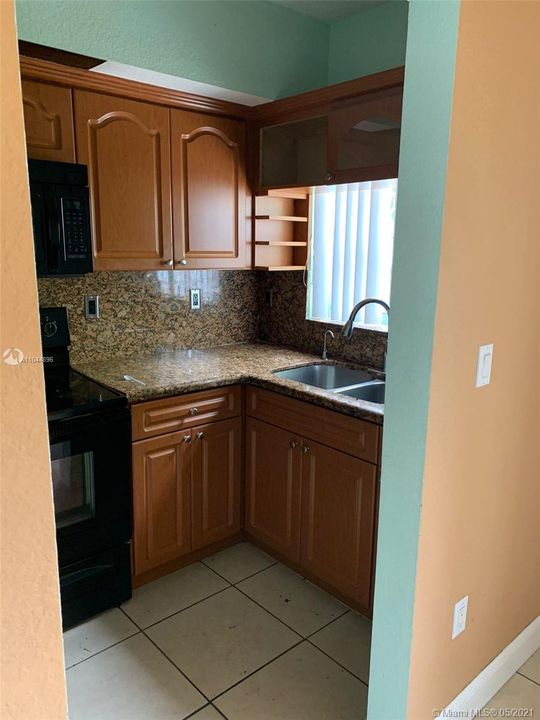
pixel 460 616
pixel 483 366
pixel 195 299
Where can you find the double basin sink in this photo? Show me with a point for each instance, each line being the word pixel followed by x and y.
pixel 358 384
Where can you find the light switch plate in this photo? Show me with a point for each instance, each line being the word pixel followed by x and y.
pixel 483 367
pixel 195 299
pixel 460 616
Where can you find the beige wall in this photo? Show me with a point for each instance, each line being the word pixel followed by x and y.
pixel 479 531
pixel 32 676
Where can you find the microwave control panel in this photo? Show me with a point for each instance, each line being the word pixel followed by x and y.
pixel 75 229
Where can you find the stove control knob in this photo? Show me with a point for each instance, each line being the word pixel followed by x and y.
pixel 49 328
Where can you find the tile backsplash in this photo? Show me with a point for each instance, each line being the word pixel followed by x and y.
pixel 284 323
pixel 142 312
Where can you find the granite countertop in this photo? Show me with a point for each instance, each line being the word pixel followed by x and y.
pixel 174 373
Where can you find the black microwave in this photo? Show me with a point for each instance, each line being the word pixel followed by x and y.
pixel 60 218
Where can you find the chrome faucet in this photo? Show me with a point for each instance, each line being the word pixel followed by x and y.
pixel 347 329
pixel 324 352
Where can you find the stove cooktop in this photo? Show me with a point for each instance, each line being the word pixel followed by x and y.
pixel 74 394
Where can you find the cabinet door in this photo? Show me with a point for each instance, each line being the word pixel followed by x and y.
pixel 216 481
pixel 273 484
pixel 126 146
pixel 161 500
pixel 209 191
pixel 48 121
pixel 363 137
pixel 338 510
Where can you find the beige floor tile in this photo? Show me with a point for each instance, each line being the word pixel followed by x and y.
pixel 518 692
pixel 239 562
pixel 221 640
pixel 291 598
pixel 172 593
pixel 348 641
pixel 207 713
pixel 303 684
pixel 100 632
pixel 531 668
pixel 130 681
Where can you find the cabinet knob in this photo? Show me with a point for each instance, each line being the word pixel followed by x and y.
pixel 329 177
pixel 293 444
pixel 187 438
pixel 183 261
pixel 200 435
pixel 306 449
pixel 168 263
pixel 193 411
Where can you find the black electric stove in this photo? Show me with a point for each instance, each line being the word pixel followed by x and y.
pixel 90 443
pixel 74 394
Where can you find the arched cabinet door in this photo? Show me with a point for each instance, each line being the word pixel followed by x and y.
pixel 209 191
pixel 48 121
pixel 126 145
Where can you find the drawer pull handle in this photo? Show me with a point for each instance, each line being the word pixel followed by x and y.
pixel 187 438
pixel 200 435
pixel 193 411
pixel 293 444
pixel 306 449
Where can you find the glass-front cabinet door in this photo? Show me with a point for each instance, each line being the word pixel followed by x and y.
pixel 363 137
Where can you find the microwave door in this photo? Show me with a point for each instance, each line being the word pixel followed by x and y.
pixel 40 227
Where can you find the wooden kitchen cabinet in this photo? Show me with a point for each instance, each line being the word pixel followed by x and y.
pixel 273 487
pixel 216 475
pixel 187 477
pixel 161 500
pixel 209 191
pixel 126 145
pixel 48 121
pixel 363 137
pixel 338 515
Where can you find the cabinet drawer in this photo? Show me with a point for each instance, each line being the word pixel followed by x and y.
pixel 171 414
pixel 350 435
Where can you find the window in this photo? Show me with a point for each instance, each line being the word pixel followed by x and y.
pixel 351 250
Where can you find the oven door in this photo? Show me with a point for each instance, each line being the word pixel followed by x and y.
pixel 91 476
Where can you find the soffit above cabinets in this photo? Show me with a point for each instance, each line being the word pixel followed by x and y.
pixel 328 11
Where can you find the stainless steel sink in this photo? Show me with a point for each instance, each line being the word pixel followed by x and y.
pixel 326 376
pixel 372 392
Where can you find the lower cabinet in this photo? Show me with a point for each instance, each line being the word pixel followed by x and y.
pixel 312 503
pixel 338 514
pixel 273 486
pixel 216 475
pixel 186 492
pixel 161 500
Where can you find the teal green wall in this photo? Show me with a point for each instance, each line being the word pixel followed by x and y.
pixel 369 42
pixel 255 47
pixel 429 80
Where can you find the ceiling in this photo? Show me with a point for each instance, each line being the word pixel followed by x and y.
pixel 328 10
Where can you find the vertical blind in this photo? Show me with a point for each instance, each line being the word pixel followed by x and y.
pixel 351 250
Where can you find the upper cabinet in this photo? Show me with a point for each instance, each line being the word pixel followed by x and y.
pixel 363 137
pixel 126 146
pixel 48 120
pixel 343 133
pixel 209 190
pixel 294 154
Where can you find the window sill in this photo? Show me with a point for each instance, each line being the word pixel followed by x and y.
pixel 336 327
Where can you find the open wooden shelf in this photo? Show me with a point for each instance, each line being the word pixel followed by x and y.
pixel 275 268
pixel 281 245
pixel 286 218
